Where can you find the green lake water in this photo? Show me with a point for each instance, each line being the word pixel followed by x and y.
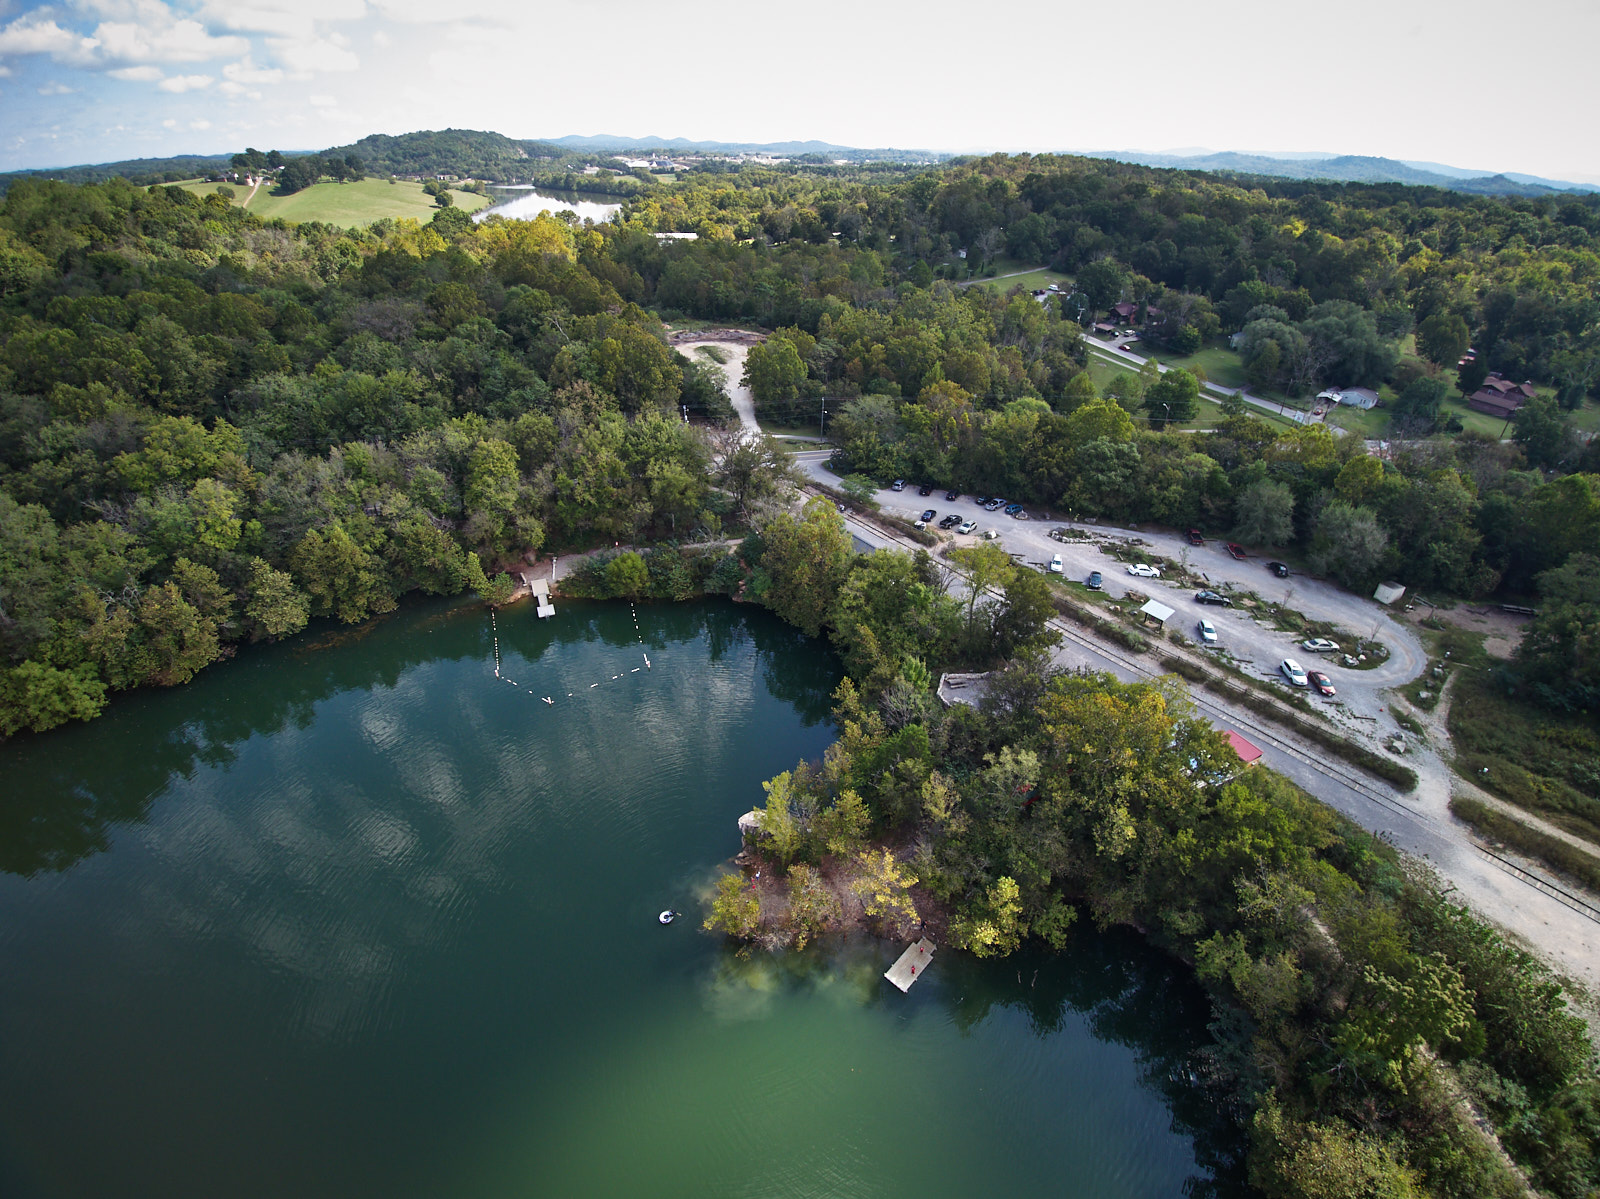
pixel 353 917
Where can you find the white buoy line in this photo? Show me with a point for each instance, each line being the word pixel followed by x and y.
pixel 494 633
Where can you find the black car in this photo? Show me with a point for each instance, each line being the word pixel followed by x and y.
pixel 950 522
pixel 928 514
pixel 1094 580
pixel 925 489
pixel 1281 569
pixel 1211 597
pixel 980 500
pixel 952 495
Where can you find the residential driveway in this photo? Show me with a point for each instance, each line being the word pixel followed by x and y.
pixel 1256 646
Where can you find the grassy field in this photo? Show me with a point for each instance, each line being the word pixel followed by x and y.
pixel 1032 280
pixel 345 204
pixel 1370 422
pixel 1540 760
pixel 1221 365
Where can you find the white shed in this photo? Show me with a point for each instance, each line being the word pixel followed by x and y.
pixel 1158 611
pixel 1388 593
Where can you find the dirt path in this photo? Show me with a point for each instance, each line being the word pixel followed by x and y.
pixel 737 351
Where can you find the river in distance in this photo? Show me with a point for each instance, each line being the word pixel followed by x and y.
pixel 352 916
pixel 525 203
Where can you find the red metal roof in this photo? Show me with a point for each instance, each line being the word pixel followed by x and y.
pixel 1248 753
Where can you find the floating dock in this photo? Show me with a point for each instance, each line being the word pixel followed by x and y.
pixel 541 596
pixel 912 965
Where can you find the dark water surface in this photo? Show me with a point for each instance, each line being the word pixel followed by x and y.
pixel 351 917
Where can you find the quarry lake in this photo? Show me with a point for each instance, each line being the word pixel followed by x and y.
pixel 352 916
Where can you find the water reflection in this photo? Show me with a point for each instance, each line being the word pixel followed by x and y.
pixel 65 789
pixel 1110 982
pixel 525 203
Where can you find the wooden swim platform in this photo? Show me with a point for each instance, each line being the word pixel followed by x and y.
pixel 912 965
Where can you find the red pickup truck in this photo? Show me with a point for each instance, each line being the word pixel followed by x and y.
pixel 1236 551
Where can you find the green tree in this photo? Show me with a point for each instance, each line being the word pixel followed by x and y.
pixel 1349 543
pixel 1173 397
pixel 735 910
pixel 1263 514
pixel 993 926
pixel 274 607
pixel 341 578
pixel 775 374
pixel 1443 338
pixel 36 696
pixel 806 559
pixel 884 886
pixel 1559 653
pixel 627 576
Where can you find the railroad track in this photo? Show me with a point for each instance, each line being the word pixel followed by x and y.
pixel 1348 777
pixel 1578 903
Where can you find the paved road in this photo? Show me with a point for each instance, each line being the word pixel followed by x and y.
pixel 1559 922
pixel 1120 357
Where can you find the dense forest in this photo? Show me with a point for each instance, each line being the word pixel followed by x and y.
pixel 214 429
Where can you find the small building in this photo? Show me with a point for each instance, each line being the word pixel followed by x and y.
pixel 1156 611
pixel 1358 397
pixel 1126 312
pixel 1500 397
pixel 1248 754
pixel 1388 593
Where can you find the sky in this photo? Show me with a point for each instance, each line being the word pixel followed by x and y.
pixel 1496 87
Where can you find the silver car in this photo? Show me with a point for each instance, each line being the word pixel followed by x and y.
pixel 1294 672
pixel 1208 633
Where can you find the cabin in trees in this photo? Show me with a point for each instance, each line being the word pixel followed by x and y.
pixel 1500 397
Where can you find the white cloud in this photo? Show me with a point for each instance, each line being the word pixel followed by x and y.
pixel 200 124
pixel 319 54
pixel 136 74
pixel 35 34
pixel 169 123
pixel 294 19
pixel 185 83
pixel 56 89
pixel 382 40
pixel 322 101
pixel 428 12
pixel 155 36
pixel 246 71
pixel 182 41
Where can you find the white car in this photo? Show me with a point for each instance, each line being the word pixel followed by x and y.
pixel 1292 670
pixel 1208 633
pixel 966 526
pixel 1055 565
pixel 1320 645
pixel 1144 571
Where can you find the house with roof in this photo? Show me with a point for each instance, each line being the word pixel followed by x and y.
pixel 1125 313
pixel 1500 397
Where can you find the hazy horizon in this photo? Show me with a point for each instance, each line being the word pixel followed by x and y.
pixel 87 81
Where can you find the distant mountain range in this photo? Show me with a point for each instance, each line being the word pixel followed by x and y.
pixel 489 155
pixel 1353 168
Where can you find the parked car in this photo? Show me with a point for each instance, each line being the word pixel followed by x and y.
pixel 980 500
pixel 966 527
pixel 994 505
pixel 1236 551
pixel 898 485
pixel 950 522
pixel 1211 597
pixel 1195 538
pixel 1208 633
pixel 1095 582
pixel 927 515
pixel 1144 571
pixel 925 489
pixel 1292 670
pixel 1281 569
pixel 1055 565
pixel 952 495
pixel 1320 682
pixel 1013 509
pixel 1320 645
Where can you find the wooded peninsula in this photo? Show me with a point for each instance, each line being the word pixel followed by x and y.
pixel 216 429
